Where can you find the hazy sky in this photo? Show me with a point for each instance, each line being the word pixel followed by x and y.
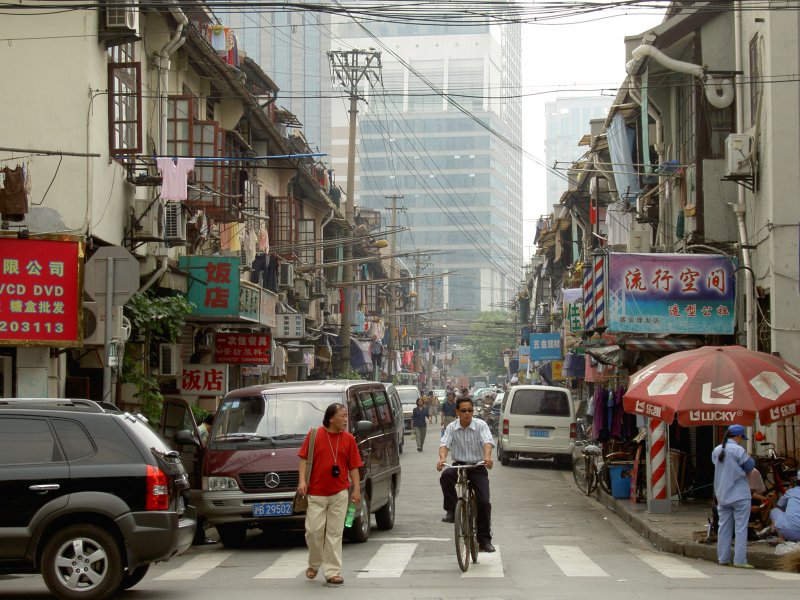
pixel 585 59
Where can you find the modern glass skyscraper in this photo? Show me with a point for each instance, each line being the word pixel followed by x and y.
pixel 456 163
pixel 567 121
pixel 291 47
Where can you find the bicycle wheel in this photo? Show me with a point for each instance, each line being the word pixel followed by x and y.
pixel 473 526
pixel 591 476
pixel 604 479
pixel 462 535
pixel 580 472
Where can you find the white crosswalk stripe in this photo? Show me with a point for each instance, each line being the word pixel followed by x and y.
pixel 573 562
pixel 389 561
pixel 393 560
pixel 288 566
pixel 197 566
pixel 671 566
pixel 488 565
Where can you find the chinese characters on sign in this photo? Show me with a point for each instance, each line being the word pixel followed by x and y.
pixel 573 317
pixel 671 293
pixel 291 326
pixel 545 346
pixel 244 348
pixel 213 284
pixel 204 380
pixel 39 293
pixel 249 301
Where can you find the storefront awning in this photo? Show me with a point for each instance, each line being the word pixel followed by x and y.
pixel 661 344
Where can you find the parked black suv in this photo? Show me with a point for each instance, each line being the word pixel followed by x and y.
pixel 89 496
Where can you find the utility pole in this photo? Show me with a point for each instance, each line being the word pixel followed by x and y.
pixel 349 68
pixel 393 286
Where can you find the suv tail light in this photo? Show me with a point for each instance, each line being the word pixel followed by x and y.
pixel 157 489
pixel 573 431
pixel 505 426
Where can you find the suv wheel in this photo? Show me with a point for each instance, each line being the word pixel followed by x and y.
pixel 359 532
pixel 232 536
pixel 502 456
pixel 384 518
pixel 131 578
pixel 82 562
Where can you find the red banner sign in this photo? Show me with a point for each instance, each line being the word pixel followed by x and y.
pixel 40 292
pixel 244 348
pixel 204 380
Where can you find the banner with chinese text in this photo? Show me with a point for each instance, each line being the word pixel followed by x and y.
pixel 40 291
pixel 671 293
pixel 244 348
pixel 204 380
pixel 545 346
pixel 573 309
pixel 213 285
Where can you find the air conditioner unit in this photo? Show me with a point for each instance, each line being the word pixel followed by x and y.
pixel 94 324
pixel 286 275
pixel 301 288
pixel 738 155
pixel 320 290
pixel 169 360
pixel 122 15
pixel 174 223
pixel 149 219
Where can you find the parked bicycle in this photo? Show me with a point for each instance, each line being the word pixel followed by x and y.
pixel 466 517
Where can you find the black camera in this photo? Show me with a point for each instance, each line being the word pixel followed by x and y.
pixel 335 470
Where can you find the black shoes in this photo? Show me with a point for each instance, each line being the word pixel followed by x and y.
pixel 486 547
pixel 449 517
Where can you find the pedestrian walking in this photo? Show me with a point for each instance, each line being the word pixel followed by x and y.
pixel 433 407
pixel 449 410
pixel 731 466
pixel 419 418
pixel 335 464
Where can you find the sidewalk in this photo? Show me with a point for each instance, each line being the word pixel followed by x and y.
pixel 678 531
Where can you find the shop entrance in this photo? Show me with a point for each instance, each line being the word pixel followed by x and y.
pixel 6 376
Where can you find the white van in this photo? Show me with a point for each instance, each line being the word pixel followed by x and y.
pixel 537 421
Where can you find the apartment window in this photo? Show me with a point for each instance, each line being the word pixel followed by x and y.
pixel 283 223
pixel 180 115
pixel 306 239
pixel 721 121
pixel 755 79
pixel 124 101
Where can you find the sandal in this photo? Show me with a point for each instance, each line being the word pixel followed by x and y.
pixel 311 573
pixel 335 580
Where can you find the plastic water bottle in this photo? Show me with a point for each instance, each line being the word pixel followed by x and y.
pixel 351 515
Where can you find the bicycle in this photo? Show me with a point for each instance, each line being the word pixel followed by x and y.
pixel 585 468
pixel 466 517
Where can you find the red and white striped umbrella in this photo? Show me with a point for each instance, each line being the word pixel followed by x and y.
pixel 715 385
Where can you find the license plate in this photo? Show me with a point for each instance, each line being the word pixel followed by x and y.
pixel 272 509
pixel 539 433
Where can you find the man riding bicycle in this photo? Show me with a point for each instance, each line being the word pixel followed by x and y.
pixel 470 441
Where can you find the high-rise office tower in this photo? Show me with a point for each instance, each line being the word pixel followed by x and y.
pixel 443 130
pixel 291 47
pixel 567 121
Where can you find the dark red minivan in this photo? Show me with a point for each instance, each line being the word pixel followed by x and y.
pixel 246 476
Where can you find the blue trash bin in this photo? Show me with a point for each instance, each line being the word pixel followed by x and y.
pixel 620 474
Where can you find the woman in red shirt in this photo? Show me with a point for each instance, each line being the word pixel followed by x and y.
pixel 335 465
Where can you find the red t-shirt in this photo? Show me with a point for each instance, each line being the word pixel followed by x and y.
pixel 322 482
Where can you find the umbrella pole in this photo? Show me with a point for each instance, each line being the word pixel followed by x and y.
pixel 659 499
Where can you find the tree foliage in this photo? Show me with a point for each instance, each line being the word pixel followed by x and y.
pixel 489 334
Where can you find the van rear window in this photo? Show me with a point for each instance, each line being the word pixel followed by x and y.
pixel 544 403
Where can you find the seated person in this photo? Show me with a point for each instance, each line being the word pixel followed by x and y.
pixel 786 516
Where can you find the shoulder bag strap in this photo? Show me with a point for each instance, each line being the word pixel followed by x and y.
pixel 310 459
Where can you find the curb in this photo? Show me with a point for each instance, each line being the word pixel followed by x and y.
pixel 663 542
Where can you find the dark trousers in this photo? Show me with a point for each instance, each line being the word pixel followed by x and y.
pixel 479 480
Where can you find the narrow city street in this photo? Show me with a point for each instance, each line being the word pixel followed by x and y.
pixel 552 542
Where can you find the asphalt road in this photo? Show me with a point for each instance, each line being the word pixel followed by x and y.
pixel 552 542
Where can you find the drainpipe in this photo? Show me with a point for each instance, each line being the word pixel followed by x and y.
pixel 718 92
pixel 162 64
pixel 155 276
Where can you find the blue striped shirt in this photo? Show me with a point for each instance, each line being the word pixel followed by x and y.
pixel 465 444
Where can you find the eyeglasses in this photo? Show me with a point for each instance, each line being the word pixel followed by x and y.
pixel 466 410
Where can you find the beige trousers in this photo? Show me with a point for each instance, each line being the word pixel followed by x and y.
pixel 324 528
